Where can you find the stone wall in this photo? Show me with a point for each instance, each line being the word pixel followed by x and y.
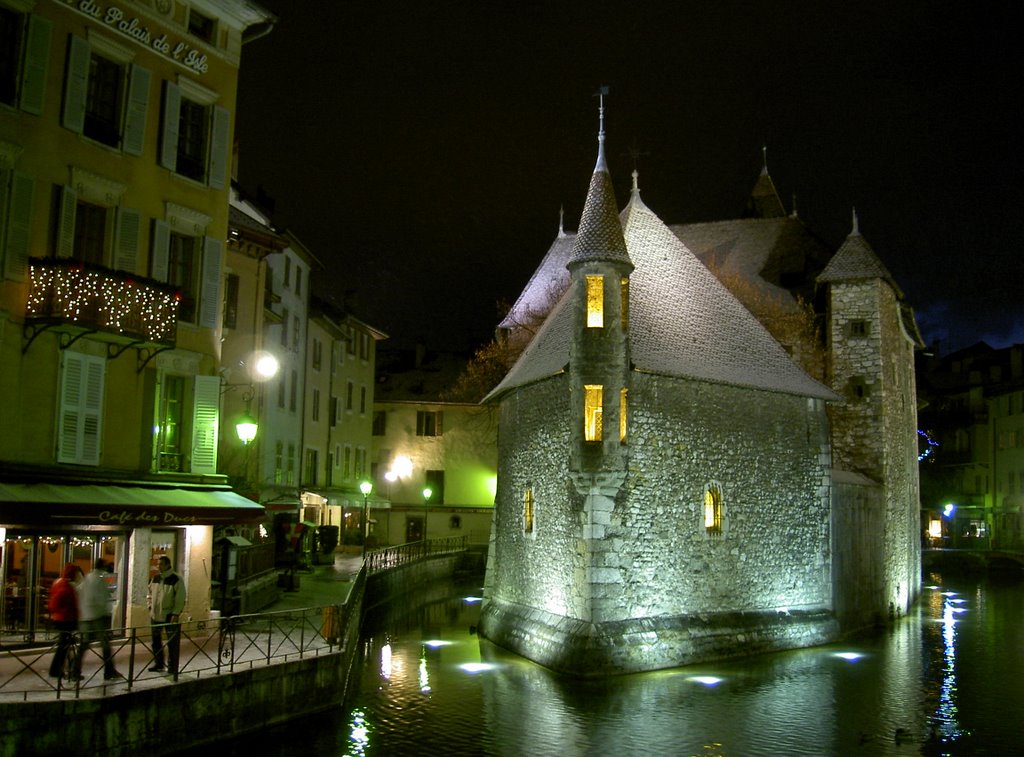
pixel 643 555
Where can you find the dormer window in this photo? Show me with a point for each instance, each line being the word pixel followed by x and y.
pixel 593 398
pixel 595 302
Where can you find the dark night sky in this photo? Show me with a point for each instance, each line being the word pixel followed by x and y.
pixel 422 149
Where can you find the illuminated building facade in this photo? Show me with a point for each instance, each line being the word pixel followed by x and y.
pixel 115 133
pixel 672 487
pixel 421 440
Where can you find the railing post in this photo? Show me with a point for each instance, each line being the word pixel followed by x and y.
pixel 131 659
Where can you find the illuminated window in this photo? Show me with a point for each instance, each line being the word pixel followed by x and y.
pixel 623 404
pixel 595 302
pixel 624 288
pixel 593 396
pixel 172 419
pixel 713 510
pixel 528 511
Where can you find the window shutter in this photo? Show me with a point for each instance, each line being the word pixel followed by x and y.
pixel 160 250
pixel 169 133
pixel 204 424
pixel 81 411
pixel 439 423
pixel 135 118
pixel 126 239
pixel 66 223
pixel 220 152
pixel 37 56
pixel 76 86
pixel 19 229
pixel 209 293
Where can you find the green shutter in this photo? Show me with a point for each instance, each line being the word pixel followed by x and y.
pixel 126 239
pixel 37 56
pixel 209 287
pixel 135 118
pixel 169 132
pixel 17 236
pixel 220 150
pixel 66 222
pixel 205 412
pixel 76 85
pixel 160 250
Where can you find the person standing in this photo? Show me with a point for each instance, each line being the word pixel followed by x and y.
pixel 166 601
pixel 94 615
pixel 63 607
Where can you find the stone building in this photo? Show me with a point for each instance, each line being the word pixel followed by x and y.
pixel 671 487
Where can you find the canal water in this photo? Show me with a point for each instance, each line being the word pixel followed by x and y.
pixel 948 679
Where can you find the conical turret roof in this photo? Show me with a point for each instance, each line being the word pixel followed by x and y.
pixel 855 260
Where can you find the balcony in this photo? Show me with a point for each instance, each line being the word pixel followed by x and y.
pixel 79 299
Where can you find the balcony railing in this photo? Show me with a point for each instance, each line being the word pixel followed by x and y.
pixel 66 292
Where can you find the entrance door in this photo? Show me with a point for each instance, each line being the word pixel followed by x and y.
pixel 413 528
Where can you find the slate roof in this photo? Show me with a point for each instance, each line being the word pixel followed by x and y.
pixel 856 260
pixel 683 322
pixel 600 235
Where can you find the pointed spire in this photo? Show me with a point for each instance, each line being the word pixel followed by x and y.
pixel 561 221
pixel 599 237
pixel 764 200
pixel 636 183
pixel 793 213
pixel 601 164
pixel 856 225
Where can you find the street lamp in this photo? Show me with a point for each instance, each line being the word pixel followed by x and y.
pixel 365 487
pixel 426 501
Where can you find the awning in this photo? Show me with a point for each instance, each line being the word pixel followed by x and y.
pixel 126 506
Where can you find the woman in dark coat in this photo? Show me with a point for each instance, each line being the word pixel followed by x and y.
pixel 63 608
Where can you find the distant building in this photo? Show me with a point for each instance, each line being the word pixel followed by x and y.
pixel 672 487
pixel 114 190
pixel 423 441
pixel 972 447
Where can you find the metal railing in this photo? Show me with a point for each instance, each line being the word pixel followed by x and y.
pixel 391 557
pixel 212 647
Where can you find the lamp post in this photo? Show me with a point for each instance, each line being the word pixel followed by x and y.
pixel 426 502
pixel 365 487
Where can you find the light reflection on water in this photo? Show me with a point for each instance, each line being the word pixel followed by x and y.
pixel 942 681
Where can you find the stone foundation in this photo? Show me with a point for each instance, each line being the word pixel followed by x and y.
pixel 586 650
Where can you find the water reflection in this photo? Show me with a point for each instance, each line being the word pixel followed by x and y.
pixel 935 683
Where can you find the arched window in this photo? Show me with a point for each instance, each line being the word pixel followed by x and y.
pixel 713 510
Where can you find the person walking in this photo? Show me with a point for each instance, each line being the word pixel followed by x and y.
pixel 166 601
pixel 94 615
pixel 63 607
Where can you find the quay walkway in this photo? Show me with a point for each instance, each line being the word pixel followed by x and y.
pixel 300 623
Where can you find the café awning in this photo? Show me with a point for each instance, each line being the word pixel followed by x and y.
pixel 44 504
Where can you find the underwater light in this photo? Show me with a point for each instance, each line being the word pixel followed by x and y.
pixel 472 600
pixel 435 643
pixel 476 667
pixel 706 680
pixel 851 656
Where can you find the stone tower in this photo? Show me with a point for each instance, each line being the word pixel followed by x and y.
pixel 871 338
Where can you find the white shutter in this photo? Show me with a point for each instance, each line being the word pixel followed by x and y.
pixel 80 423
pixel 160 250
pixel 220 150
pixel 17 236
pixel 66 223
pixel 169 132
pixel 205 412
pixel 126 239
pixel 37 56
pixel 135 118
pixel 209 288
pixel 76 86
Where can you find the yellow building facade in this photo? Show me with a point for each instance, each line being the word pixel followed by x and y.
pixel 116 123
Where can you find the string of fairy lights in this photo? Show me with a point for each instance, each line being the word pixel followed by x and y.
pixel 96 298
